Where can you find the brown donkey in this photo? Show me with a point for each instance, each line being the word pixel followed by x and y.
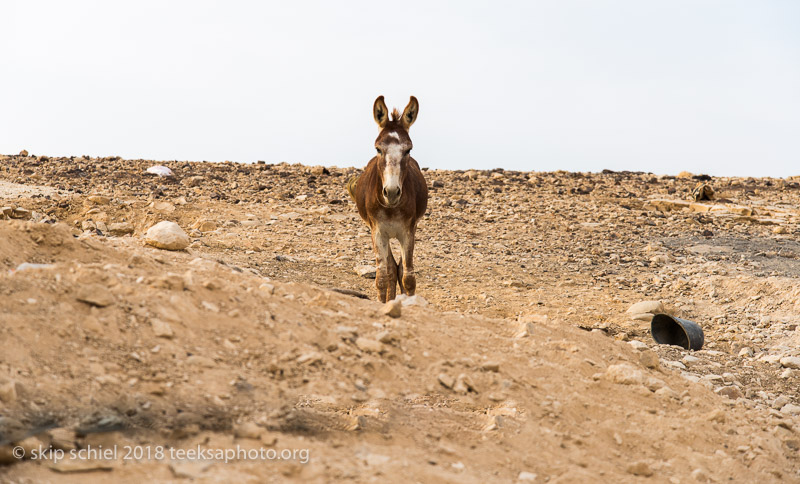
pixel 392 196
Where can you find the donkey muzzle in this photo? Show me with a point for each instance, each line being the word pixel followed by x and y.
pixel 392 195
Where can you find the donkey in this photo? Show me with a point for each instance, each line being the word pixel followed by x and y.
pixel 392 195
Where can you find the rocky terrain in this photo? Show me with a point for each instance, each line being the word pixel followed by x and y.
pixel 525 357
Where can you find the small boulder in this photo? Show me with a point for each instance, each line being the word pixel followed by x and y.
pixel 392 308
pixel 369 345
pixel 792 362
pixel 120 228
pixel 162 329
pixel 167 235
pixel 367 272
pixel 193 181
pixel 95 295
pixel 160 170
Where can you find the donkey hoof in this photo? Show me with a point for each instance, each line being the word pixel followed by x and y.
pixel 409 284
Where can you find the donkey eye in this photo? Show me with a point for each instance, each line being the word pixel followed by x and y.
pixel 407 152
pixel 378 150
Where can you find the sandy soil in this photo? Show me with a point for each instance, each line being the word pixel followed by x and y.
pixel 518 361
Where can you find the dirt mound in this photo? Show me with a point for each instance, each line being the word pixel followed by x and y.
pixel 521 365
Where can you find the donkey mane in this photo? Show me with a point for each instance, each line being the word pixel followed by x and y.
pixel 395 114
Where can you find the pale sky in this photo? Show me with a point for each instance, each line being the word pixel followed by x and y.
pixel 659 86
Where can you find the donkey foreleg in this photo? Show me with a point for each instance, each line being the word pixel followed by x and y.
pixel 386 271
pixel 405 273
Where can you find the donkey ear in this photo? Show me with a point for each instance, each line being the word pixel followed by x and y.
pixel 410 113
pixel 380 112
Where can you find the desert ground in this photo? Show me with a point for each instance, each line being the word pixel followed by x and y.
pixel 526 355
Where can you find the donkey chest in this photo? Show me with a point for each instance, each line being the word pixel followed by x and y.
pixel 393 228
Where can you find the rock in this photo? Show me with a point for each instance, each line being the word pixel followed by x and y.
pixel 624 374
pixel 120 228
pixel 96 295
pixel 415 300
pixel 699 475
pixel 7 455
pixel 369 345
pixel 30 444
pixel 8 392
pixel 23 153
pixel 310 358
pixel 446 380
pixel 495 422
pixel 639 469
pixel 790 409
pixel 644 307
pixel 318 170
pixel 367 272
pixel 21 213
pixel 524 330
pixel 248 430
pixel 26 266
pixel 779 402
pixel 385 337
pixel 792 362
pixel 716 415
pixel 667 392
pixel 204 225
pixel 690 359
pixel 99 199
pixel 202 361
pixel 638 344
pixel 527 476
pixel 392 308
pixel 533 318
pixel 162 206
pixel 649 359
pixel 193 181
pixel 464 384
pixel 703 191
pixel 746 352
pixel 731 392
pixel 62 438
pixel 167 235
pixel 159 170
pixel 162 329
pixel 491 366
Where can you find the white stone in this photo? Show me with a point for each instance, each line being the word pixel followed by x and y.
pixel 792 362
pixel 159 170
pixel 167 235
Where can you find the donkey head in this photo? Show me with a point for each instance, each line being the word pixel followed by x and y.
pixel 393 145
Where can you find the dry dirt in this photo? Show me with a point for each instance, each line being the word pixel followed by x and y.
pixel 518 362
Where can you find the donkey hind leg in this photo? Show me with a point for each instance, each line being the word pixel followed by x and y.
pixel 400 272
